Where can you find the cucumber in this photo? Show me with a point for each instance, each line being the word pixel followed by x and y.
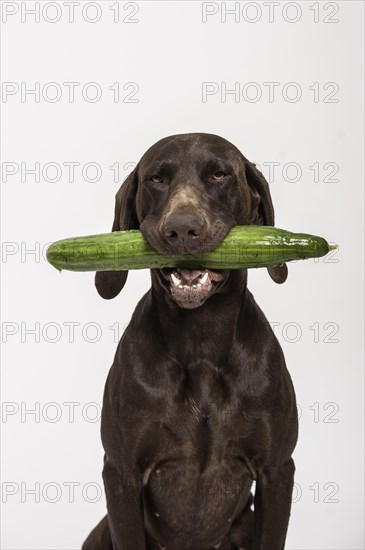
pixel 243 247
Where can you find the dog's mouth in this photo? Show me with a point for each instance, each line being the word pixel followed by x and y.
pixel 191 287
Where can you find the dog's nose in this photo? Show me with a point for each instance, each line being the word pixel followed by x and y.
pixel 184 226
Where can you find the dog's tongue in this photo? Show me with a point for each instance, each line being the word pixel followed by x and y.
pixel 189 275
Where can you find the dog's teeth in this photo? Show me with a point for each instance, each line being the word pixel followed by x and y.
pixel 175 280
pixel 203 278
pixel 194 286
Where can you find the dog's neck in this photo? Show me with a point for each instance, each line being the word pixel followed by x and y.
pixel 216 317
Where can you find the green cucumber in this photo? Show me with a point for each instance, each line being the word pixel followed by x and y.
pixel 243 247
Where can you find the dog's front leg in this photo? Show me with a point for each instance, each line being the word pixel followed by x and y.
pixel 274 487
pixel 125 509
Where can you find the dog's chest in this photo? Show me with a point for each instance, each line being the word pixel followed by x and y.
pixel 190 444
pixel 202 420
pixel 199 476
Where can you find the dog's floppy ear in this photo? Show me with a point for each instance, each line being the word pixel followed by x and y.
pixel 110 283
pixel 262 212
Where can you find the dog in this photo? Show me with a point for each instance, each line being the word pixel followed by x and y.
pixel 198 405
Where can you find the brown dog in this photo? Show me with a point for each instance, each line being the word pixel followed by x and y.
pixel 198 403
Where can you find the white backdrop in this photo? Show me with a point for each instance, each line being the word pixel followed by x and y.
pixel 108 80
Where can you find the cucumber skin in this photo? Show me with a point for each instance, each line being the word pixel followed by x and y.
pixel 243 247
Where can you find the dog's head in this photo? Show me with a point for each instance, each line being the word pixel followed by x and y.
pixel 185 194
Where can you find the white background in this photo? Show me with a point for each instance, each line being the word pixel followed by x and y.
pixel 169 52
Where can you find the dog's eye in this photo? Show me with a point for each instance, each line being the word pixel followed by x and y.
pixel 156 179
pixel 219 175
